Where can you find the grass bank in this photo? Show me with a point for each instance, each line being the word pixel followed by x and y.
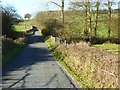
pixel 109 47
pixel 90 67
pixel 11 48
pixel 61 59
pixel 22 26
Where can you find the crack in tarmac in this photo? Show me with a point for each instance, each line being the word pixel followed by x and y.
pixel 35 67
pixel 22 79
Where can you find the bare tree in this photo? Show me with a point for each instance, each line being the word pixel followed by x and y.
pixel 85 6
pixel 88 18
pixel 62 9
pixel 90 15
pixel 96 19
pixel 86 21
pixel 109 14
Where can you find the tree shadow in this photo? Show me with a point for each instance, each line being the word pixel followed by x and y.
pixel 34 52
pixel 34 39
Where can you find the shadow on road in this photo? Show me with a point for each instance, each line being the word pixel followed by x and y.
pixel 34 39
pixel 34 52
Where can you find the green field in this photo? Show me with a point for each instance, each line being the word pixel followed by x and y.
pixel 75 24
pixel 22 26
pixel 109 47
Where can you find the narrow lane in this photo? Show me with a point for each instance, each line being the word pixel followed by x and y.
pixel 35 67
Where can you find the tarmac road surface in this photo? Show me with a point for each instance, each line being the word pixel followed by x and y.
pixel 35 67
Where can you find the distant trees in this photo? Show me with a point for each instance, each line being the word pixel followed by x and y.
pixel 85 20
pixel 91 9
pixel 27 16
pixel 86 7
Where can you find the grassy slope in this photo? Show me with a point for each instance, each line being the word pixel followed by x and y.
pixel 12 48
pixel 83 81
pixel 76 23
pixel 22 26
pixel 113 48
pixel 59 57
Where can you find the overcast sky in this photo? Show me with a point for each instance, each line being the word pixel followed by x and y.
pixel 32 6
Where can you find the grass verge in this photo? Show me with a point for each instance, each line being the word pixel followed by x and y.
pixel 59 57
pixel 87 65
pixel 10 49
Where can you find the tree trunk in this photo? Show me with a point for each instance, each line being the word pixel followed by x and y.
pixel 96 21
pixel 86 23
pixel 62 8
pixel 109 14
pixel 90 16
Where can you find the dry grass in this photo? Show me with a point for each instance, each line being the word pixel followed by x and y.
pixel 94 68
pixel 10 48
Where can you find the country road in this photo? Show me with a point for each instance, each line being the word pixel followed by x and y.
pixel 35 67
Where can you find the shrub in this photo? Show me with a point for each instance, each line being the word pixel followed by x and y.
pixel 9 18
pixel 51 27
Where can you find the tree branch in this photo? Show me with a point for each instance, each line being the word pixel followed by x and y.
pixel 56 4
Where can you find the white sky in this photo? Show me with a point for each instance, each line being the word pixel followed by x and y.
pixel 32 6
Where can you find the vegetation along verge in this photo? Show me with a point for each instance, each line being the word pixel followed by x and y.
pixel 85 40
pixel 11 48
pixel 12 39
pixel 90 67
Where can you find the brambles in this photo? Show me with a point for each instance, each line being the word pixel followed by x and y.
pixel 92 68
